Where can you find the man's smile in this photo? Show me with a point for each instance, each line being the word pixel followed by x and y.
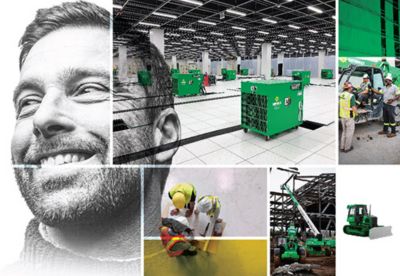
pixel 61 158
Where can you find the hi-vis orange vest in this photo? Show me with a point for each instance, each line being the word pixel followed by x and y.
pixel 169 241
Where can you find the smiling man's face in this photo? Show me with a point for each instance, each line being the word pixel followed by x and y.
pixel 63 120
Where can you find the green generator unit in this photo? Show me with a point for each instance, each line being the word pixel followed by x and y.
pixel 228 74
pixel 174 71
pixel 187 84
pixel 144 78
pixel 194 71
pixel 244 71
pixel 327 74
pixel 303 76
pixel 270 107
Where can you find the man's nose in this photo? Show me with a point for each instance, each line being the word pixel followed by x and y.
pixel 52 116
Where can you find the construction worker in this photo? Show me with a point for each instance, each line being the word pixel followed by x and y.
pixel 347 112
pixel 390 99
pixel 174 237
pixel 209 205
pixel 183 195
pixel 365 86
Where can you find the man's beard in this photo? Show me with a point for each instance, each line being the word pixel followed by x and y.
pixel 85 196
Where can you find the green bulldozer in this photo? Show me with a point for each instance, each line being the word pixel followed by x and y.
pixel 363 224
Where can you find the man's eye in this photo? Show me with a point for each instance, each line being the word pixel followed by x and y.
pixel 28 106
pixel 91 93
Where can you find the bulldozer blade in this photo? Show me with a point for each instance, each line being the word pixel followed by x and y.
pixel 380 232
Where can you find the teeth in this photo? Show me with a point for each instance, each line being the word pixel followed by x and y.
pixel 75 158
pixel 60 159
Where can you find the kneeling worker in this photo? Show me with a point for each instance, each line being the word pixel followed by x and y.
pixel 175 235
pixel 211 206
pixel 183 195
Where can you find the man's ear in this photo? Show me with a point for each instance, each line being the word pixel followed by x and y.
pixel 167 130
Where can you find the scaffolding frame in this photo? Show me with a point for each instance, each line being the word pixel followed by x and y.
pixel 318 198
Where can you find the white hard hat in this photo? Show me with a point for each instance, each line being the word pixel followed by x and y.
pixel 181 219
pixel 365 76
pixel 389 77
pixel 204 205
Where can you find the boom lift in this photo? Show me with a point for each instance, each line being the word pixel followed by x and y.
pixel 317 245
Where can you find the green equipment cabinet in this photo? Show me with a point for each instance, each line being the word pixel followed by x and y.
pixel 244 71
pixel 194 71
pixel 327 74
pixel 144 78
pixel 187 84
pixel 270 107
pixel 174 71
pixel 303 76
pixel 228 74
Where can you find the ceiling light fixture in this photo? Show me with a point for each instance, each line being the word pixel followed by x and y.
pixel 269 20
pixel 187 29
pixel 193 2
pixel 238 28
pixel 314 9
pixel 165 15
pixel 149 24
pixel 294 26
pixel 235 12
pixel 207 22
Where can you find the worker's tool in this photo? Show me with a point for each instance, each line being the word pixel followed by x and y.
pixel 363 224
pixel 270 107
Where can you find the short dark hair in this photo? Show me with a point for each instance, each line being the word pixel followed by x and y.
pixel 75 14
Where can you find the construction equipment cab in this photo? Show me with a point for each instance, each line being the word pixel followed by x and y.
pixel 358 216
pixel 373 108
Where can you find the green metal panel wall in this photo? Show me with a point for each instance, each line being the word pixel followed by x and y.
pixel 369 28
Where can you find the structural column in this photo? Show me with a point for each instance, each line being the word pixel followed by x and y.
pixel 205 62
pixel 266 60
pixel 122 63
pixel 321 62
pixel 258 72
pixel 157 38
pixel 174 63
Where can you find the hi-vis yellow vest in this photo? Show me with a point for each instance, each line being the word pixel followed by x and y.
pixel 216 204
pixel 186 188
pixel 345 110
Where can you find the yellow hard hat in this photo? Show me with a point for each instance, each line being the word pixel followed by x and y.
pixel 178 200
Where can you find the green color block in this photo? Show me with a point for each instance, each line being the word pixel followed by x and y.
pixel 270 107
pixel 244 71
pixel 327 74
pixel 303 76
pixel 368 28
pixel 174 71
pixel 194 71
pixel 228 74
pixel 144 78
pixel 187 84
